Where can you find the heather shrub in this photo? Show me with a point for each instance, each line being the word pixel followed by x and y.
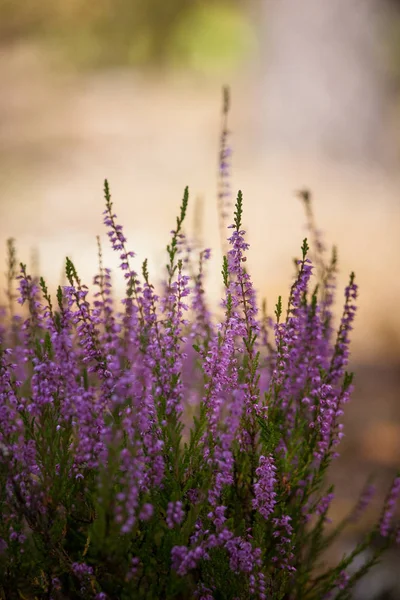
pixel 154 450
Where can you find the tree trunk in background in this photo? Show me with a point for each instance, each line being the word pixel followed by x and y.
pixel 326 89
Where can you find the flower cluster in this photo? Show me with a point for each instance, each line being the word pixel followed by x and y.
pixel 158 451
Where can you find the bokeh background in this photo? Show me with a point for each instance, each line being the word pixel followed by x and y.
pixel 131 90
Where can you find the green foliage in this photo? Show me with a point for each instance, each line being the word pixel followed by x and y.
pixel 199 35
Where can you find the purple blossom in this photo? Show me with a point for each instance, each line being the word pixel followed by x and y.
pixel 389 508
pixel 363 503
pixel 175 514
pixel 341 353
pixel 243 557
pixel 184 559
pixel 203 593
pixel 292 362
pixel 324 504
pixel 343 580
pixel 224 195
pixel 244 299
pixel 283 532
pixel 264 500
pixel 82 569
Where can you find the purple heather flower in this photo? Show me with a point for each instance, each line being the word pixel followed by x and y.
pixel 185 559
pixel 242 292
pixel 170 356
pixel 243 557
pixel 283 532
pixel 201 328
pixel 82 569
pixel 294 356
pixel 341 353
pixel 264 494
pixel 343 580
pixel 261 586
pixel 329 409
pixel 175 514
pixel 146 512
pixel 363 503
pixel 389 508
pixel 324 504
pixel 203 593
pixel 224 174
pixel 133 569
pixel 56 583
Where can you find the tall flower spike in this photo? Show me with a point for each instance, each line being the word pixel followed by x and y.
pixel 363 503
pixel 289 336
pixel 390 508
pixel 118 243
pixel 11 275
pixel 243 295
pixel 341 352
pixel 264 493
pixel 224 193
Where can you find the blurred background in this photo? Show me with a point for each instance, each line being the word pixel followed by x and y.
pixel 131 90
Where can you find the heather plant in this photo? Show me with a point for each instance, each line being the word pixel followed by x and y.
pixel 155 450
